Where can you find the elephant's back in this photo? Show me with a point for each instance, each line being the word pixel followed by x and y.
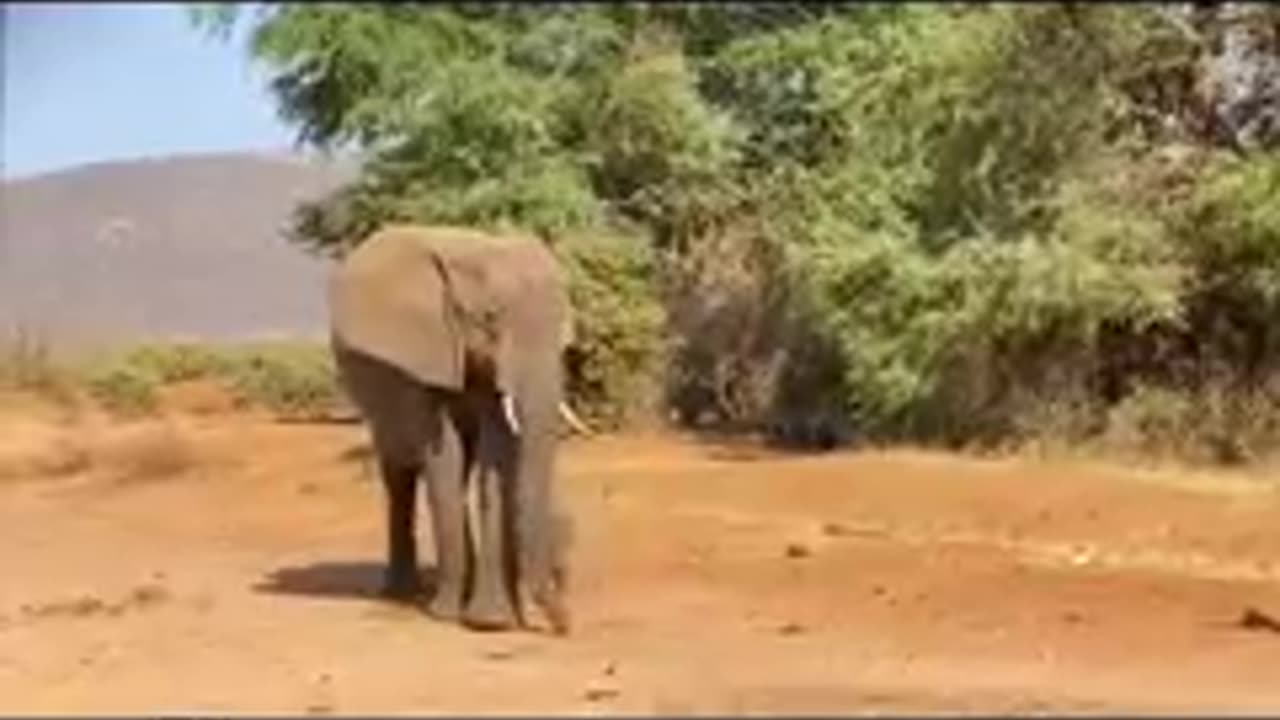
pixel 515 254
pixel 513 266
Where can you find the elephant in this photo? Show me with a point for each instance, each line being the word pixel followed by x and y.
pixel 450 343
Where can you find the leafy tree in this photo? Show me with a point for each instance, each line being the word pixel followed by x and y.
pixel 931 217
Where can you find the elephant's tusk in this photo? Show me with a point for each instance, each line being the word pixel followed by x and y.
pixel 509 412
pixel 574 421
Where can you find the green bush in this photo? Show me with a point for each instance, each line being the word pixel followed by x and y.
pixel 1215 425
pixel 123 388
pixel 950 224
pixel 290 379
pixel 615 363
pixel 293 379
pixel 176 362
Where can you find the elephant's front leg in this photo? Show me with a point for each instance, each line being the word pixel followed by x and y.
pixel 491 606
pixel 445 485
pixel 401 576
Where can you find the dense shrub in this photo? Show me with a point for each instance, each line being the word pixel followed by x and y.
pixel 616 359
pixel 286 378
pixel 961 224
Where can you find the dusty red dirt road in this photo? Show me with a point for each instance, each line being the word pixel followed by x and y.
pixel 230 565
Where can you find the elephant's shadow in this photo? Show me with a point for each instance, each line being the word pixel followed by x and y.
pixel 357 580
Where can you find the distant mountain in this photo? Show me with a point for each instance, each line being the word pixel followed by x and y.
pixel 186 246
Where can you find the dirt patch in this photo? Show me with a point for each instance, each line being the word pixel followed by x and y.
pixel 708 578
pixel 145 452
pixel 86 606
pixel 202 397
pixel 84 444
pixel 35 450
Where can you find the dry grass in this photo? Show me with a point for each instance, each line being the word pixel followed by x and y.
pixel 50 457
pixel 36 444
pixel 198 397
pixel 291 379
pixel 145 452
pixel 141 597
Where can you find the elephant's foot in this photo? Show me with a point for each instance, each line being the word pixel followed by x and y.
pixel 556 611
pixel 490 615
pixel 402 586
pixel 446 606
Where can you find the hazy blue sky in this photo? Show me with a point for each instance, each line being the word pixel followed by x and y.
pixel 91 82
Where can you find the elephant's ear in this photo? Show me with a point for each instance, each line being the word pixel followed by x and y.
pixel 387 301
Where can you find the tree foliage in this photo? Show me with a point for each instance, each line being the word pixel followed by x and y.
pixel 937 215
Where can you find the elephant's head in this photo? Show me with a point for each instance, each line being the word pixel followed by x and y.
pixel 447 305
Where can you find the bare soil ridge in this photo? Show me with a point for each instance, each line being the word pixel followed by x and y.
pixel 224 562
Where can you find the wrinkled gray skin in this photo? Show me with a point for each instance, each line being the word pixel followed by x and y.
pixel 431 327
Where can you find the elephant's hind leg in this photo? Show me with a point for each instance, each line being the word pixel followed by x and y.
pixel 401 576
